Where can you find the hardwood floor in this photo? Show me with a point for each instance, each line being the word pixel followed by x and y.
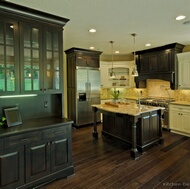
pixel 105 163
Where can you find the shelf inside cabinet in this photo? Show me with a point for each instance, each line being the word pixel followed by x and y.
pixel 122 77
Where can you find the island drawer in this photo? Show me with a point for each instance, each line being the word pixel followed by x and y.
pixel 21 139
pixel 56 132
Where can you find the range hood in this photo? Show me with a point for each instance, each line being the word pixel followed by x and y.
pixel 141 79
pixel 158 63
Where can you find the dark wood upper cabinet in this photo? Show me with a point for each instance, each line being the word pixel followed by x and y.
pixel 158 63
pixel 164 61
pixel 84 57
pixel 31 50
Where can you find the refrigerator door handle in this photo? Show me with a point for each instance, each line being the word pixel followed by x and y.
pixel 89 90
pixel 89 87
pixel 86 87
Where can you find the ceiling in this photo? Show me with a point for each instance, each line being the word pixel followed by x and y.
pixel 152 20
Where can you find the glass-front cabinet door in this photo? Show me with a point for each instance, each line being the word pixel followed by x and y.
pixel 9 64
pixel 53 61
pixel 31 59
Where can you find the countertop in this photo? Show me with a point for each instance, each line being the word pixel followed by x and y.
pixel 181 103
pixel 127 108
pixel 34 125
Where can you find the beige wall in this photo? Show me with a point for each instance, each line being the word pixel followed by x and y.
pixel 186 48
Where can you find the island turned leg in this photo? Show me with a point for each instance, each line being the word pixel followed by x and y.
pixel 134 151
pixel 95 132
pixel 160 112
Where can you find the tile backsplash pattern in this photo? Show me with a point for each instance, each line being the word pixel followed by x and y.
pixel 155 88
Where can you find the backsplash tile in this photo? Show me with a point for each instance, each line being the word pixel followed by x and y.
pixel 155 88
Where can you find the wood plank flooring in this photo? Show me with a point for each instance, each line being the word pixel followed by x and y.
pixel 105 163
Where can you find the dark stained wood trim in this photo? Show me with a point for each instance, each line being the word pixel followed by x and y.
pixel 19 10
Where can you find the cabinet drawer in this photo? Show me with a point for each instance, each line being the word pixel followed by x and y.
pixel 180 108
pixel 55 132
pixel 21 139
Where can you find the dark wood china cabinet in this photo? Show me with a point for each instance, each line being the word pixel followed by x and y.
pixel 31 62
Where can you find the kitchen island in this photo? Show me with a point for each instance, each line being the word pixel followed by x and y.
pixel 137 125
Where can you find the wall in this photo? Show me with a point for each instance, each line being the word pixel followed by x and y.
pixel 33 107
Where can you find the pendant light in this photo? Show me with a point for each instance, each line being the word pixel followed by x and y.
pixel 112 74
pixel 134 71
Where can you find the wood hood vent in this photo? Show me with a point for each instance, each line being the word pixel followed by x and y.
pixel 158 63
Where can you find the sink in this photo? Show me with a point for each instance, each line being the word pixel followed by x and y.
pixel 144 107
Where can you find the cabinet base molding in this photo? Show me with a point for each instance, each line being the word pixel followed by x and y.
pixel 180 132
pixel 50 178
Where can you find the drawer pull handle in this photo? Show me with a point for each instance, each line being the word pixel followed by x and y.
pixel 24 139
pixel 58 132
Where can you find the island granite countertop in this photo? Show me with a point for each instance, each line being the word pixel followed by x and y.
pixel 127 108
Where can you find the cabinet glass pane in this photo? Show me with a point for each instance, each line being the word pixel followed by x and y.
pixel 9 34
pixel 48 41
pixel 2 79
pixel 35 38
pixel 9 56
pixel 10 79
pixel 27 80
pixel 35 57
pixel 49 73
pixel 2 54
pixel 56 70
pixel 36 80
pixel 55 42
pixel 27 59
pixel 31 80
pixel 1 33
pixel 27 34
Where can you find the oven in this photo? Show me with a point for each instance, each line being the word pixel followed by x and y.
pixel 162 102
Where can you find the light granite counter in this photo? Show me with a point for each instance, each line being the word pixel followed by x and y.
pixel 127 108
pixel 181 103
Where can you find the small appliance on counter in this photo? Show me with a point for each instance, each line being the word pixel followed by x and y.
pixel 13 116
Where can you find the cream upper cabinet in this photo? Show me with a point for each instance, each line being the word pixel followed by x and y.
pixel 183 70
pixel 179 119
pixel 122 70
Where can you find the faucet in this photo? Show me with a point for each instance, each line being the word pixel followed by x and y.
pixel 139 99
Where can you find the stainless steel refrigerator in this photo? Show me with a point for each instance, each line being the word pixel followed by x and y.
pixel 88 93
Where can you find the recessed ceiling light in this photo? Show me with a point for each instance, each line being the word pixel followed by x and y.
pixel 117 52
pixel 148 45
pixel 181 17
pixel 91 47
pixel 92 30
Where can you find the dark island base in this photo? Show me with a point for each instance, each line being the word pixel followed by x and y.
pixel 148 131
pixel 140 149
pixel 140 132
